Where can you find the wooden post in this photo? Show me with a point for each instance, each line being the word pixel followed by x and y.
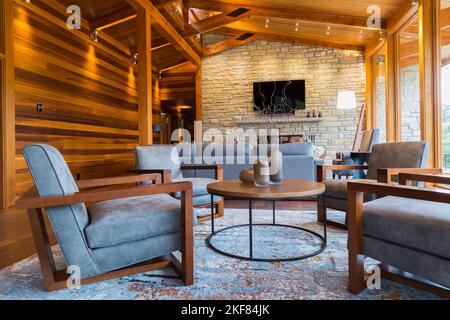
pixel 145 77
pixel 7 104
pixel 198 95
pixel 144 37
pixel 370 106
pixel 430 64
pixel 392 127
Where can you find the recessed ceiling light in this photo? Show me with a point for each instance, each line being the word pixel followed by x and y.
pixel 267 23
pixel 297 25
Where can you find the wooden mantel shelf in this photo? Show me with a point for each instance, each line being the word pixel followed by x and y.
pixel 278 119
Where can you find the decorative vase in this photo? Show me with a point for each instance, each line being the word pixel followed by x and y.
pixel 262 174
pixel 247 176
pixel 276 167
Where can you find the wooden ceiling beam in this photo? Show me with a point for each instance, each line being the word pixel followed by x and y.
pixel 401 17
pixel 169 32
pixel 218 21
pixel 160 23
pixel 117 17
pixel 268 36
pixel 227 44
pixel 177 17
pixel 302 15
pixel 309 41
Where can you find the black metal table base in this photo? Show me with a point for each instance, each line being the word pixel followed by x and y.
pixel 250 225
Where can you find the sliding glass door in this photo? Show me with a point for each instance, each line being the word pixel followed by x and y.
pixel 445 80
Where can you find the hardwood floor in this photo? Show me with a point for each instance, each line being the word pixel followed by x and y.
pixel 16 242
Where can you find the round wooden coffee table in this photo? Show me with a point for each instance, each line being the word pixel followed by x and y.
pixel 290 190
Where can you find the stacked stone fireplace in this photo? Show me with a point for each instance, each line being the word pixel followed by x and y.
pixel 228 89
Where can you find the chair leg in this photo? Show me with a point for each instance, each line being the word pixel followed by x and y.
pixel 356 282
pixel 220 208
pixel 187 239
pixel 321 209
pixel 356 257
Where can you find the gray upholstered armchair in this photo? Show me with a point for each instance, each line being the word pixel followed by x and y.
pixel 368 140
pixel 389 157
pixel 124 230
pixel 166 160
pixel 407 229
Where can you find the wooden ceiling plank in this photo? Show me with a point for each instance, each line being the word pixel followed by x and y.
pixel 323 17
pixel 228 44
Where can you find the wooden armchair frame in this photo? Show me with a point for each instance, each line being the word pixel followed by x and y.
pixel 384 175
pixel 57 279
pixel 167 178
pixel 356 256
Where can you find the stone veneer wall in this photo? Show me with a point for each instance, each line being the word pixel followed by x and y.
pixel 228 87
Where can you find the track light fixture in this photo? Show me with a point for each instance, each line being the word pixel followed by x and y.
pixel 134 58
pixel 94 36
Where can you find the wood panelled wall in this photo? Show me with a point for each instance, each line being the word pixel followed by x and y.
pixel 89 99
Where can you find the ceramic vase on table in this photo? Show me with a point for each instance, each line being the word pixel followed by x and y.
pixel 262 173
pixel 276 167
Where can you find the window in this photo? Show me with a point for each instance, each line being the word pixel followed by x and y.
pixel 379 96
pixel 445 81
pixel 409 81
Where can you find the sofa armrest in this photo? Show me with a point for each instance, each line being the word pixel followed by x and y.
pixel 218 169
pixel 166 174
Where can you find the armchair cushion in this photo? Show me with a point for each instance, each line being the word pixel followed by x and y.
pixel 415 224
pixel 120 221
pixel 198 186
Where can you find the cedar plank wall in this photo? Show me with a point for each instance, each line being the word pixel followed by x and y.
pixel 89 98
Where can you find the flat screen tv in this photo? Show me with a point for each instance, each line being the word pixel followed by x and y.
pixel 279 97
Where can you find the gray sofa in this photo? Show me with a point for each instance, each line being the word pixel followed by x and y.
pixel 298 160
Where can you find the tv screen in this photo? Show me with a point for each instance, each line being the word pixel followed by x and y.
pixel 279 97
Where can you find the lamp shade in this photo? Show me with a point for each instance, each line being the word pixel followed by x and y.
pixel 346 100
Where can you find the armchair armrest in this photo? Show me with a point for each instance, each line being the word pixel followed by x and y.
pixel 154 177
pixel 31 200
pixel 404 178
pixel 166 174
pixel 323 169
pixel 218 169
pixel 385 175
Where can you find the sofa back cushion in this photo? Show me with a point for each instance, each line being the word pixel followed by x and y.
pixel 397 155
pixel 52 177
pixel 159 157
pixel 297 149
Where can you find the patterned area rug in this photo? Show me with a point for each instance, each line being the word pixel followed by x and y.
pixel 221 277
